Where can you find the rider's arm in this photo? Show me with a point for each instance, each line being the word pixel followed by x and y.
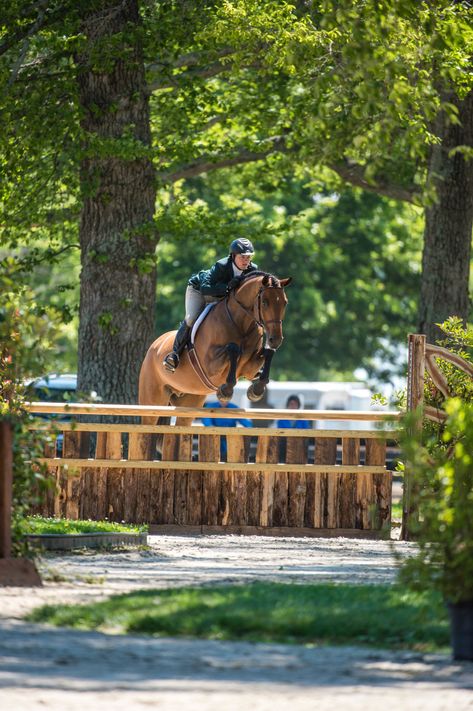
pixel 214 281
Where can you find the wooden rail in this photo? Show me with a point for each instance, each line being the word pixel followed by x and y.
pixel 271 480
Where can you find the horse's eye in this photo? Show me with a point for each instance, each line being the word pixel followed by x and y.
pixel 265 303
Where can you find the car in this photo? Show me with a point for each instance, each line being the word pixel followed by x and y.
pixel 54 388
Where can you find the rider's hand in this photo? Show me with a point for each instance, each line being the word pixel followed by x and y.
pixel 233 283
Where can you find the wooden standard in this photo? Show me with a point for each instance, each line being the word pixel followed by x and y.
pixel 18 572
pixel 321 482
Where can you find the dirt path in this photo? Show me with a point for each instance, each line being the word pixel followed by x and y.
pixel 46 668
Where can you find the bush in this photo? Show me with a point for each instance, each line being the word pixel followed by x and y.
pixel 442 471
pixel 27 335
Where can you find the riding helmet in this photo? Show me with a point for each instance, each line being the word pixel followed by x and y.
pixel 241 246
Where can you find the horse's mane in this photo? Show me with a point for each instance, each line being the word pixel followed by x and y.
pixel 258 273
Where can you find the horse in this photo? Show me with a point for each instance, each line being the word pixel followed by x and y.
pixel 228 346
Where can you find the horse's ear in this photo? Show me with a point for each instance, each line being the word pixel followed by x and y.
pixel 285 282
pixel 266 279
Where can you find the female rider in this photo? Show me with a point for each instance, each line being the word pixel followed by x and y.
pixel 208 286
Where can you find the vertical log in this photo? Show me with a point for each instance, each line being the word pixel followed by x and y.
pixel 139 483
pixel 115 478
pixel 73 491
pixel 376 456
pixel 296 453
pixel 267 451
pixel 234 485
pixel 170 454
pixel 347 483
pixel 325 453
pixel 415 401
pixel 209 451
pixel 183 483
pixel 194 486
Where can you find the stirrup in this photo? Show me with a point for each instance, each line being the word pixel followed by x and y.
pixel 171 361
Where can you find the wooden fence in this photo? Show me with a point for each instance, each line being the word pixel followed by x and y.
pixel 321 482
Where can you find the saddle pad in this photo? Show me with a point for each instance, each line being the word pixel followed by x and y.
pixel 200 319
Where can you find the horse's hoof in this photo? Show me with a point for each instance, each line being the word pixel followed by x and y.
pixel 253 394
pixel 223 394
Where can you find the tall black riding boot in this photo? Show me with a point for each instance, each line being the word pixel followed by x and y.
pixel 171 361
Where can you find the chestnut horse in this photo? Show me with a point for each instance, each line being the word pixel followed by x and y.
pixel 228 345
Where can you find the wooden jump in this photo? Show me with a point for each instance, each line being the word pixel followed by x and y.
pixel 273 481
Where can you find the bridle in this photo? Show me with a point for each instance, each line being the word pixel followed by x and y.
pixel 256 312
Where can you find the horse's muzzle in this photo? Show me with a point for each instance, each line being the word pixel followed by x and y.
pixel 274 342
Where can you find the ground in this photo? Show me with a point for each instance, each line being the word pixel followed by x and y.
pixel 47 668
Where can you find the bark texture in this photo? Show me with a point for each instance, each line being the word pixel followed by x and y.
pixel 118 241
pixel 448 225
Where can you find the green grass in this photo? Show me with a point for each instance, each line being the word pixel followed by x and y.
pixel 396 512
pixel 39 525
pixel 381 616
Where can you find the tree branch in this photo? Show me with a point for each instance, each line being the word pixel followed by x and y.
pixel 355 175
pixel 207 163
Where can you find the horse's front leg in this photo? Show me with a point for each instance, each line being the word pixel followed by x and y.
pixel 256 390
pixel 225 391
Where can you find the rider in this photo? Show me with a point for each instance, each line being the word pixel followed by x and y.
pixel 208 286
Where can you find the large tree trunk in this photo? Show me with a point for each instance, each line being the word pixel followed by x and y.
pixel 448 225
pixel 118 278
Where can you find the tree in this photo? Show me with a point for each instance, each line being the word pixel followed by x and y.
pixel 354 86
pixel 117 234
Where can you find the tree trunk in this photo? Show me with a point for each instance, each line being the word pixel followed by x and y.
pixel 448 225
pixel 118 277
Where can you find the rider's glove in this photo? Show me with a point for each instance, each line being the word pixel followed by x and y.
pixel 233 283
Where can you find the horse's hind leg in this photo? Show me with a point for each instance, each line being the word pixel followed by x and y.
pixel 225 391
pixel 256 390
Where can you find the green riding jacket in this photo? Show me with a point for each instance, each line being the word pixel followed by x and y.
pixel 214 281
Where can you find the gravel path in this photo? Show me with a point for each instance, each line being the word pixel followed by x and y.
pixel 48 668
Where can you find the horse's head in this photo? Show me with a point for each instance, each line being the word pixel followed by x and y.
pixel 269 300
pixel 272 301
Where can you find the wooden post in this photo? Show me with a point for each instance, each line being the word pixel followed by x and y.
pixel 6 484
pixel 13 571
pixel 415 400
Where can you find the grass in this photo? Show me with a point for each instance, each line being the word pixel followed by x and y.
pixel 396 512
pixel 37 525
pixel 379 616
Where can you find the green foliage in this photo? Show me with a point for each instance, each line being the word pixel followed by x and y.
pixel 354 257
pixel 380 616
pixel 27 336
pixel 40 525
pixel 442 471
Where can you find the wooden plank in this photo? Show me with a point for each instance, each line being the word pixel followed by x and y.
pixel 192 429
pixel 196 412
pixel 209 452
pixel 212 466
